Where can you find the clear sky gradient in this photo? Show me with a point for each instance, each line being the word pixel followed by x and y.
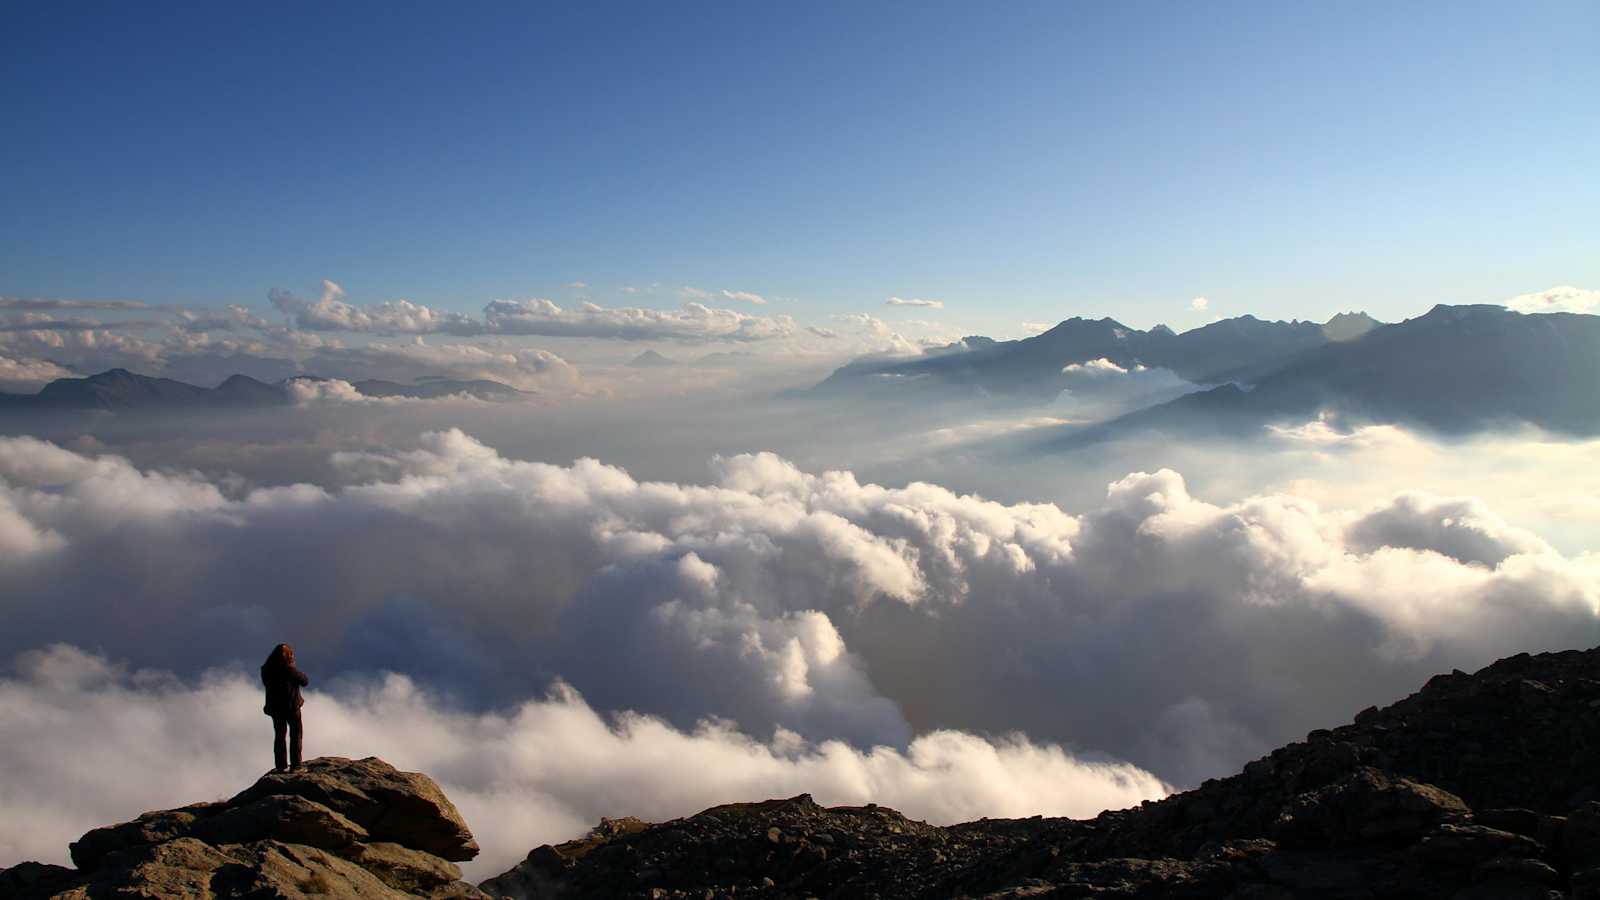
pixel 1018 161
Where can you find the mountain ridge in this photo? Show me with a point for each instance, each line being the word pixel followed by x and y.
pixel 1031 368
pixel 1453 369
pixel 118 389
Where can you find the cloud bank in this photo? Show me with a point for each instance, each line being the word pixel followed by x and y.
pixel 1564 298
pixel 693 323
pixel 1180 635
pixel 85 742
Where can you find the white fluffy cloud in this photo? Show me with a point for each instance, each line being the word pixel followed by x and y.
pixel 693 323
pixel 1200 304
pixel 914 301
pixel 526 369
pixel 330 313
pixel 1101 366
pixel 28 374
pixel 85 742
pixel 781 598
pixel 1564 298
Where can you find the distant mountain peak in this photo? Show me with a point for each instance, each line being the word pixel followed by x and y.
pixel 651 358
pixel 1347 326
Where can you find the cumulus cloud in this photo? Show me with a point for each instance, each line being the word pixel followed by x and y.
pixel 533 370
pixel 693 323
pixel 329 312
pixel 232 317
pixel 1564 298
pixel 1200 304
pixel 745 297
pixel 901 301
pixel 1036 327
pixel 86 742
pixel 780 598
pixel 1101 366
pixel 879 339
pixel 83 349
pixel 306 392
pixel 21 375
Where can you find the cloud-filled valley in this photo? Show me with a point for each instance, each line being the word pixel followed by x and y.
pixel 794 607
pixel 641 582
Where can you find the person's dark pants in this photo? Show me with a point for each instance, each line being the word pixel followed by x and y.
pixel 291 724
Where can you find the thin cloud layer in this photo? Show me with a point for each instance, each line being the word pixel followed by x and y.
pixel 1177 634
pixel 85 742
pixel 1564 298
pixel 693 323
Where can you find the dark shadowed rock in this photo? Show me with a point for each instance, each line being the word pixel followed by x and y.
pixel 1366 807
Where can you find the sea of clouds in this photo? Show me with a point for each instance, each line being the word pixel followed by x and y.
pixel 559 642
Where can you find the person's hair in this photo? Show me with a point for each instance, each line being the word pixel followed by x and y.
pixel 281 655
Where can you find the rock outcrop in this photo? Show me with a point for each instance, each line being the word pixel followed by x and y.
pixel 1478 786
pixel 330 829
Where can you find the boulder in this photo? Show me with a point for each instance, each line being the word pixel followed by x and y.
pixel 405 808
pixel 1466 846
pixel 1366 807
pixel 405 869
pixel 149 828
pixel 283 817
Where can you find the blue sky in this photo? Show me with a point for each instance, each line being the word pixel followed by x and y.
pixel 1019 162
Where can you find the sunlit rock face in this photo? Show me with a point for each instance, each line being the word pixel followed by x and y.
pixel 332 828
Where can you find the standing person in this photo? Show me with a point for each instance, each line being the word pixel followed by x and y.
pixel 283 683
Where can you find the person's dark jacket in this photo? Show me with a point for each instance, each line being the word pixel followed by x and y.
pixel 283 683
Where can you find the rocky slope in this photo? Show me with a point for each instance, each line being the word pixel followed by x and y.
pixel 1477 786
pixel 334 828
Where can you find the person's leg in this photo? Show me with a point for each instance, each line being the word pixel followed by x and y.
pixel 296 731
pixel 280 756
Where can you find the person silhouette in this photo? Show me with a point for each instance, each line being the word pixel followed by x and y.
pixel 283 683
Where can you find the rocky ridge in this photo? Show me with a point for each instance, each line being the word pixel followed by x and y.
pixel 1477 786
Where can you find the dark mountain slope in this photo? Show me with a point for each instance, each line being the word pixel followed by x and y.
pixel 1031 369
pixel 119 389
pixel 1455 369
pixel 1478 786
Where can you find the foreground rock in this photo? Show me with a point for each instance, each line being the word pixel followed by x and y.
pixel 334 828
pixel 1478 786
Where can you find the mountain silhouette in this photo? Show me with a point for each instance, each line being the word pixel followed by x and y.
pixel 1454 369
pixel 119 389
pixel 1031 369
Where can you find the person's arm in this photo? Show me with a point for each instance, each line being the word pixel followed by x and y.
pixel 298 676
